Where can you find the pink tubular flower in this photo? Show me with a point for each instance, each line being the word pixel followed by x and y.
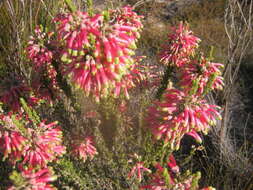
pixel 12 142
pixel 181 44
pixel 36 179
pixel 97 50
pixel 34 145
pixel 135 77
pixel 37 51
pixel 129 18
pixel 202 75
pixel 178 114
pixel 164 179
pixel 45 145
pixel 138 169
pixel 44 81
pixel 83 148
pixel 195 135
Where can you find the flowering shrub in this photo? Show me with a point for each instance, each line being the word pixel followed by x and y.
pixel 168 178
pixel 44 145
pixel 12 142
pixel 179 114
pixel 34 179
pixel 37 50
pixel 96 52
pixel 36 145
pixel 202 75
pixel 26 142
pixel 29 143
pixel 180 46
pixel 44 83
pixel 183 110
pixel 83 148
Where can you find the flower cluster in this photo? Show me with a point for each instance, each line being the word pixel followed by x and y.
pixel 40 55
pixel 37 50
pixel 32 179
pixel 97 50
pixel 83 148
pixel 178 114
pixel 183 110
pixel 30 144
pixel 180 46
pixel 44 145
pixel 169 178
pixel 12 142
pixel 34 146
pixel 203 74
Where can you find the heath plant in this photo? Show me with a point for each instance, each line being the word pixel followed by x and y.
pixel 92 54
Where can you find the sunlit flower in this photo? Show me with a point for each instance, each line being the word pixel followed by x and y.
pixel 83 148
pixel 37 51
pixel 36 179
pixel 12 142
pixel 97 50
pixel 164 179
pixel 45 145
pixel 44 81
pixel 178 114
pixel 202 75
pixel 128 17
pixel 180 46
